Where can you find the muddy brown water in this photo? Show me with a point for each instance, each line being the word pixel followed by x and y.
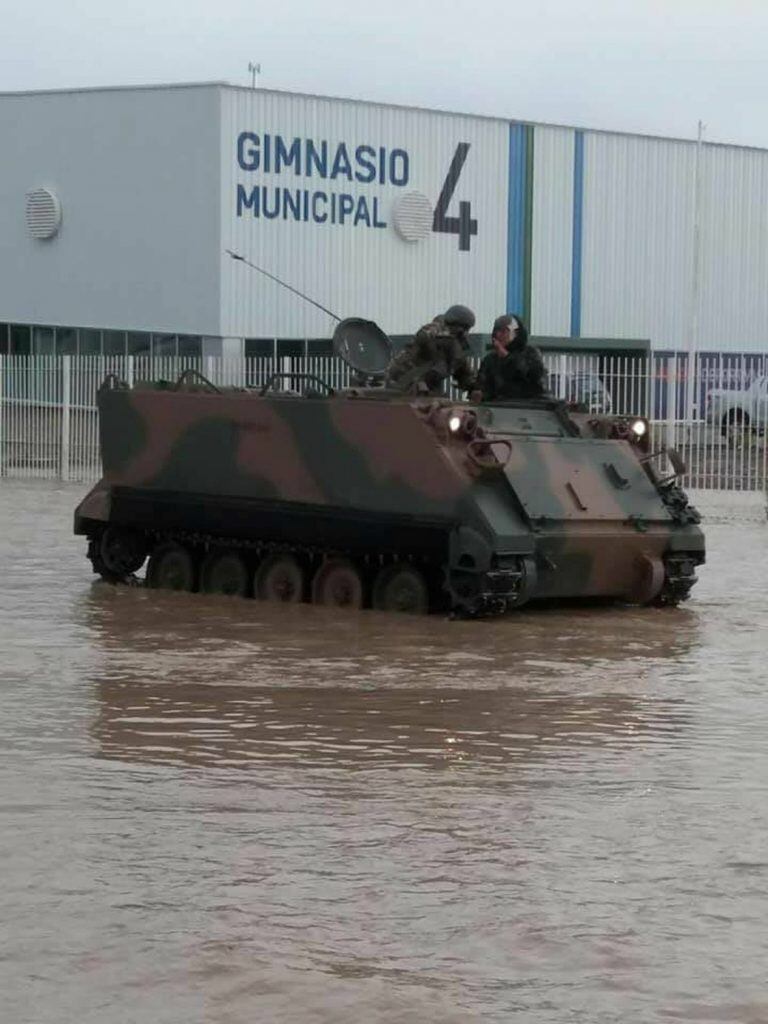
pixel 214 810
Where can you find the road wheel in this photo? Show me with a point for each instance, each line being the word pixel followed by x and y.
pixel 279 577
pixel 338 583
pixel 401 588
pixel 650 580
pixel 117 553
pixel 171 567
pixel 224 572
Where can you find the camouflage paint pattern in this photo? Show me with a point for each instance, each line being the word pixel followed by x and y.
pixel 560 504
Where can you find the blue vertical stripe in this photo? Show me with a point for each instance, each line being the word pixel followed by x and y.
pixel 578 222
pixel 516 219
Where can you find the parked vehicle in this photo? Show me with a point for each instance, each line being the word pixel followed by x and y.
pixel 739 412
pixel 583 389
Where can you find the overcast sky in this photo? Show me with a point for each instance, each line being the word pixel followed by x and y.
pixel 644 66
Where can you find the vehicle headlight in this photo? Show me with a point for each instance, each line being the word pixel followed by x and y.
pixel 639 428
pixel 454 424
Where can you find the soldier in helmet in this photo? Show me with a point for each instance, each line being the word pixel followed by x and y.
pixel 513 368
pixel 439 350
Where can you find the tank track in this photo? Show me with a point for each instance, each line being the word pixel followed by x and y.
pixel 679 578
pixel 492 593
pixel 488 594
pixel 679 570
pixel 678 505
pixel 460 594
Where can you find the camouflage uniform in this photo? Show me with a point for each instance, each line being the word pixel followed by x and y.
pixel 438 351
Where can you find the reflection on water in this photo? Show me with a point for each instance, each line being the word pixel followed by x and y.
pixel 223 811
pixel 215 681
pixel 182 637
pixel 244 727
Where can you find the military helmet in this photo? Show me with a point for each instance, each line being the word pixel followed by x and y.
pixel 460 316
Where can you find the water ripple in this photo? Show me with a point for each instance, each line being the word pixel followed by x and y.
pixel 222 811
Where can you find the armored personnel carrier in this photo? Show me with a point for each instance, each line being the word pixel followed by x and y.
pixel 372 497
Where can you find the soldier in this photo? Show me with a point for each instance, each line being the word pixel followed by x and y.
pixel 439 350
pixel 513 368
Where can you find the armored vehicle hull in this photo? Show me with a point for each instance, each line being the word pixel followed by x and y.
pixel 368 497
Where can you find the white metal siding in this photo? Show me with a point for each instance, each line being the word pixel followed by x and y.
pixel 552 231
pixel 147 180
pixel 137 174
pixel 734 250
pixel 638 239
pixel 362 271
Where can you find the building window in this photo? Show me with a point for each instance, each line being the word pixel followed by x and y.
pixel 25 339
pixel 114 343
pixel 21 340
pixel 190 345
pixel 164 345
pixel 66 341
pixel 43 341
pixel 320 347
pixel 259 348
pixel 290 347
pixel 139 343
pixel 90 342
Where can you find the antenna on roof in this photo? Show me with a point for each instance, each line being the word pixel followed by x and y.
pixel 255 69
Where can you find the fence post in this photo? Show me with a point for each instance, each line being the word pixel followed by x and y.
pixel 2 411
pixel 671 400
pixel 208 369
pixel 66 373
pixel 562 371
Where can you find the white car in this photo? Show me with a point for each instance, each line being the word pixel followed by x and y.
pixel 584 388
pixel 739 411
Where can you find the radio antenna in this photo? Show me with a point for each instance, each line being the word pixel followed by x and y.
pixel 266 273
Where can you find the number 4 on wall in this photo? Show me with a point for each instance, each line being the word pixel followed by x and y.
pixel 463 225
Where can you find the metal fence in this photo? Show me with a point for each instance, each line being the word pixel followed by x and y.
pixel 715 414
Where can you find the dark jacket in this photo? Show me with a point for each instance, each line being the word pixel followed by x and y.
pixel 518 374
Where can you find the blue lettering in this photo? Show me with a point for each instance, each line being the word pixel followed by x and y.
pixel 270 214
pixel 248 158
pixel 287 157
pixel 304 205
pixel 319 160
pixel 362 213
pixel 341 164
pixel 346 206
pixel 365 157
pixel 292 200
pixel 398 157
pixel 273 154
pixel 316 217
pixel 247 201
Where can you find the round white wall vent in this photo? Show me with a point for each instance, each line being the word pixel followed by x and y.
pixel 413 216
pixel 43 211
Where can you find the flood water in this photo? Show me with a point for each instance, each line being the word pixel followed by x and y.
pixel 214 810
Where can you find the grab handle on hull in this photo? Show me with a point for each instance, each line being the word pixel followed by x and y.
pixel 481 453
pixel 295 376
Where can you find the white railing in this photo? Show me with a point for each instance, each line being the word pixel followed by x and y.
pixel 715 416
